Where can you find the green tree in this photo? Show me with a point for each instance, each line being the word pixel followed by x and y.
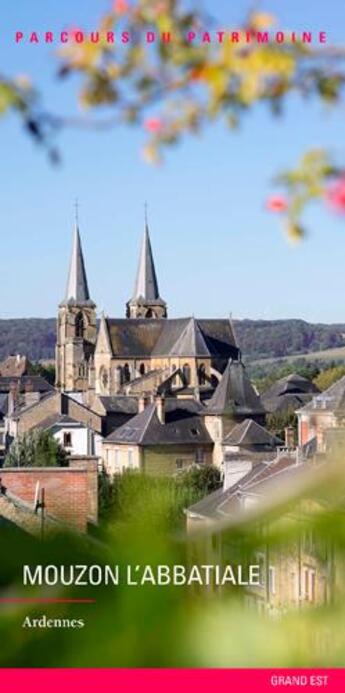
pixel 329 376
pixel 36 449
pixel 277 422
pixel 200 480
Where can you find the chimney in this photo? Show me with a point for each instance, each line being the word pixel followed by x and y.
pixel 13 396
pixel 289 437
pixel 30 397
pixel 160 408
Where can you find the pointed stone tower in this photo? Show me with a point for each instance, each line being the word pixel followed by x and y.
pixel 76 326
pixel 146 301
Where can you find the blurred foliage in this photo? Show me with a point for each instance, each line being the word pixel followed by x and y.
pixel 36 448
pixel 177 87
pixel 129 495
pixel 151 626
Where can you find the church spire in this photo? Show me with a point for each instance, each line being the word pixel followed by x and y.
pixel 146 285
pixel 77 290
pixel 146 301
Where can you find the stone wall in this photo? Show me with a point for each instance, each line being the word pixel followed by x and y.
pixel 67 491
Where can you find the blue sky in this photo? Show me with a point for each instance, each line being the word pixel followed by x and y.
pixel 216 248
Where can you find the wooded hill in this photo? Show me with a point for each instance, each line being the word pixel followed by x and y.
pixel 35 337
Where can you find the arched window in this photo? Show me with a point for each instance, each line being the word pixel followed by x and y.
pixel 142 369
pixel 202 374
pixel 104 379
pixel 126 373
pixel 118 376
pixel 150 313
pixel 79 325
pixel 186 373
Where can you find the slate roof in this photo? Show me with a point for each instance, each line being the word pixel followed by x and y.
pixel 77 290
pixel 234 393
pixel 290 392
pixel 180 427
pixel 191 342
pixel 251 435
pixel 120 404
pixel 146 285
pixel 36 382
pixel 332 399
pixel 220 504
pixel 145 337
pixel 59 420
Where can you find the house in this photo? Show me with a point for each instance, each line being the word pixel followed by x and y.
pixel 246 446
pixel 78 428
pixel 16 366
pixel 288 393
pixel 325 411
pixel 293 574
pixel 165 437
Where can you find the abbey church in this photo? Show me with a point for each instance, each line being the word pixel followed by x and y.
pixel 143 351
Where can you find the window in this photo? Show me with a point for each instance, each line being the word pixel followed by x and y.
pixel 118 376
pixel 79 325
pixel 67 440
pixel 260 559
pixel 202 374
pixel 308 584
pixel 272 579
pixel 116 460
pixel 179 464
pixel 142 369
pixel 130 458
pixel 199 457
pixel 186 373
pixel 126 373
pixel 103 376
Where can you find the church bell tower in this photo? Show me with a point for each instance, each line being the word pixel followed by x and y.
pixel 76 326
pixel 146 301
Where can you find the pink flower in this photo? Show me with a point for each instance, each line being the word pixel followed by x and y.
pixel 121 6
pixel 277 203
pixel 153 125
pixel 335 195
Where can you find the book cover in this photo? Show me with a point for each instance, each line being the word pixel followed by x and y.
pixel 172 345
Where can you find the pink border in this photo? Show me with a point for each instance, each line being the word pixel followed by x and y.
pixel 169 680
